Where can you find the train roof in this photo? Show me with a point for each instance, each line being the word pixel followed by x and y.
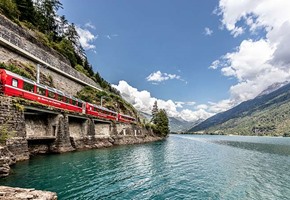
pixel 127 116
pixel 102 108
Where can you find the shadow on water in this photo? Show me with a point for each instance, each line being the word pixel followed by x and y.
pixel 260 147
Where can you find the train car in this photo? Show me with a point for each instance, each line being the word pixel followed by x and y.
pixel 18 86
pixel 101 112
pixel 126 118
pixel 12 84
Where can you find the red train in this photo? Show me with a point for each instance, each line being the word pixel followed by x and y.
pixel 14 85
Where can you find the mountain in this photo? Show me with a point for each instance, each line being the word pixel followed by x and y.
pixel 178 125
pixel 272 88
pixel 267 114
pixel 175 124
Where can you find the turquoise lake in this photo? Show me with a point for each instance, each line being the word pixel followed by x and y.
pixel 180 167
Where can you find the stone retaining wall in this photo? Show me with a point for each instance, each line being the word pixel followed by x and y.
pixel 28 42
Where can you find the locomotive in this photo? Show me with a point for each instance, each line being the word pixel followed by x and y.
pixel 12 84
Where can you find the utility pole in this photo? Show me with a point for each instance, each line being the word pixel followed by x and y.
pixel 37 73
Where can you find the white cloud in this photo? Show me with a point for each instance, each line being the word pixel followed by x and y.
pixel 220 106
pixel 255 64
pixel 143 101
pixel 90 25
pixel 208 31
pixel 111 36
pixel 202 106
pixel 159 77
pixel 180 104
pixel 86 38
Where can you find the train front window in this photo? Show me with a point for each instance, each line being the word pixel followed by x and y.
pixel 28 86
pixel 14 82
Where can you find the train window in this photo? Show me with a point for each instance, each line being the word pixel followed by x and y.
pixel 59 97
pixel 50 94
pixel 41 91
pixel 67 100
pixel 73 102
pixel 14 82
pixel 28 86
pixel 80 104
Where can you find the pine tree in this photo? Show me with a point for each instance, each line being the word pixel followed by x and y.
pixel 161 123
pixel 26 10
pixel 154 109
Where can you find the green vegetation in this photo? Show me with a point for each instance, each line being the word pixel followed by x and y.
pixel 109 100
pixel 17 70
pixel 5 133
pixel 160 121
pixel 265 115
pixel 273 121
pixel 19 107
pixel 27 71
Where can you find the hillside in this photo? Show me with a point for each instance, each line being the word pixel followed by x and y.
pixel 178 125
pixel 267 114
pixel 39 23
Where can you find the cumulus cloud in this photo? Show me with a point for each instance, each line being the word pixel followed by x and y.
pixel 159 77
pixel 255 63
pixel 86 38
pixel 143 101
pixel 208 31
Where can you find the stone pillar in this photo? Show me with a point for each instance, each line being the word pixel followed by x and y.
pixel 12 125
pixel 63 142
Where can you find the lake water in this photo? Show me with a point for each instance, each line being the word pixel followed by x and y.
pixel 181 167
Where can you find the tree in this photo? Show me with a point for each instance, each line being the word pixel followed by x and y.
pixel 161 123
pixel 154 109
pixel 9 9
pixel 26 10
pixel 46 15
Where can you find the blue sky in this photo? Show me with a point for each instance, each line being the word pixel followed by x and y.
pixel 194 57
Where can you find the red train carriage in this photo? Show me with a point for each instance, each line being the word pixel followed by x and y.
pixel 101 112
pixel 126 118
pixel 15 85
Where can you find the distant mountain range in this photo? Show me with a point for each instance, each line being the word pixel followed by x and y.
pixel 179 125
pixel 267 114
pixel 175 124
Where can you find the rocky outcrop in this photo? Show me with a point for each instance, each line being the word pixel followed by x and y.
pixel 9 193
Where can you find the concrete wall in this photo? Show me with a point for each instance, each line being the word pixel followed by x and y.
pixel 78 128
pixel 102 129
pixel 124 129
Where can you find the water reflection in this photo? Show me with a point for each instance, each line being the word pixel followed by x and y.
pixel 261 147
